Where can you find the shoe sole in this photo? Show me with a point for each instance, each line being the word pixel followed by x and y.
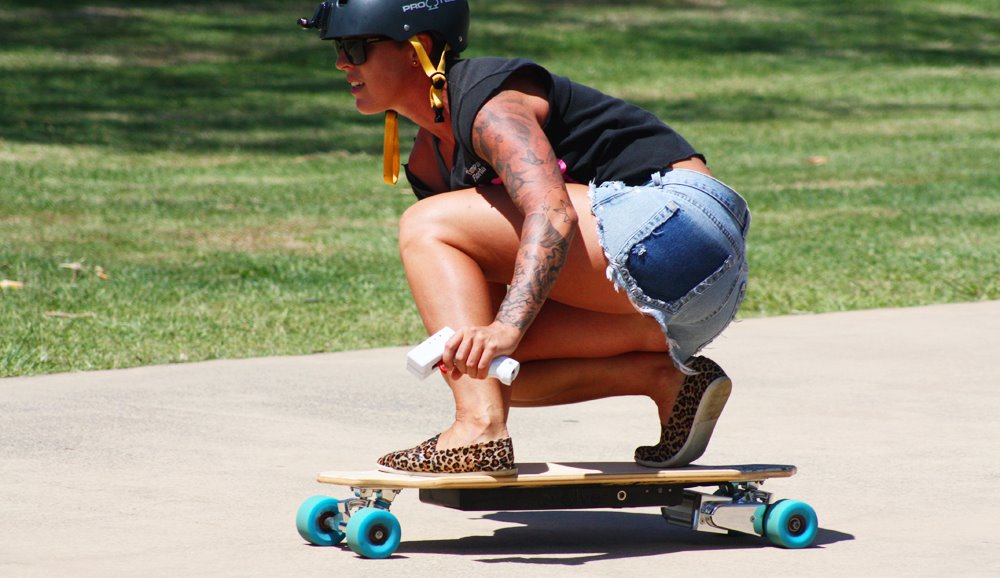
pixel 709 409
pixel 388 470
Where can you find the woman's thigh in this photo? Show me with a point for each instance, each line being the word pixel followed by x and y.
pixel 562 331
pixel 486 225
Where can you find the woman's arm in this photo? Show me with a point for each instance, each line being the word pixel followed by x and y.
pixel 507 133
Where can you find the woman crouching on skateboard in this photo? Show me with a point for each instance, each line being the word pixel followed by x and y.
pixel 598 291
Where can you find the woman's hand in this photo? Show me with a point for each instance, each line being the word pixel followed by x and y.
pixel 471 350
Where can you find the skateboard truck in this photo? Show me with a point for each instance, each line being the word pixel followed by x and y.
pixel 366 498
pixel 735 507
pixel 424 358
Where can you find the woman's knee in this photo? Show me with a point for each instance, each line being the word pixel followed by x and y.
pixel 422 222
pixel 466 220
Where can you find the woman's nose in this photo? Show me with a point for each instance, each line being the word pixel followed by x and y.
pixel 342 62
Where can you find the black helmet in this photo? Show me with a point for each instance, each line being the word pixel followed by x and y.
pixel 396 19
pixel 400 20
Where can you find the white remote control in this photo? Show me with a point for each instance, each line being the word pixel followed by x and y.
pixel 424 358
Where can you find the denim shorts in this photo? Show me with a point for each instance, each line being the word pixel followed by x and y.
pixel 677 247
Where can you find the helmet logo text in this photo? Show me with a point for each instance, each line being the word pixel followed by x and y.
pixel 425 5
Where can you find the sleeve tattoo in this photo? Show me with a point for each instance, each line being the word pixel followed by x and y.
pixel 508 136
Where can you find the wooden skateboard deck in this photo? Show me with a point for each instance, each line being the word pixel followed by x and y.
pixel 561 474
pixel 737 505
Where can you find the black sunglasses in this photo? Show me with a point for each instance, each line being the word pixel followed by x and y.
pixel 355 49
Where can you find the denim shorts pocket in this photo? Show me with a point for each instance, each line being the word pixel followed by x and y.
pixel 677 257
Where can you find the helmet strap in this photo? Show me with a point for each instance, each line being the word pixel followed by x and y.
pixel 390 144
pixel 436 75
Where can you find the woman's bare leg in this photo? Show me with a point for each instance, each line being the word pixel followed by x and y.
pixel 565 381
pixel 560 365
pixel 466 240
pixel 459 249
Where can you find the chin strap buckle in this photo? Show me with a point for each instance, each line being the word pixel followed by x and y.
pixel 436 74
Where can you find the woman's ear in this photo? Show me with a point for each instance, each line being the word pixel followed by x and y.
pixel 427 42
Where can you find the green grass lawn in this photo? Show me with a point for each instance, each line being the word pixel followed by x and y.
pixel 203 165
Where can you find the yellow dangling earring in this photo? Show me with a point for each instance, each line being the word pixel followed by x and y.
pixel 390 149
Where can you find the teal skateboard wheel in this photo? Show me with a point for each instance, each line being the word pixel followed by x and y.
pixel 318 521
pixel 373 533
pixel 791 524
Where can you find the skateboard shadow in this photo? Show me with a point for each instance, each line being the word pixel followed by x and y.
pixel 577 537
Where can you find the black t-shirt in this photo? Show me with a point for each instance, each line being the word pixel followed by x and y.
pixel 599 137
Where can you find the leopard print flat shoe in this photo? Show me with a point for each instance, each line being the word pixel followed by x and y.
pixel 494 458
pixel 699 403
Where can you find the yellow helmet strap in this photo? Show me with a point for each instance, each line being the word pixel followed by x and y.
pixel 436 75
pixel 390 144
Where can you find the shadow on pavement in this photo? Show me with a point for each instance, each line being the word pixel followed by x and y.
pixel 574 538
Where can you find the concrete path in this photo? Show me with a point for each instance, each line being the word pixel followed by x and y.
pixel 892 416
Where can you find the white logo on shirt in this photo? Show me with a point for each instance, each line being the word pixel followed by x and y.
pixel 476 170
